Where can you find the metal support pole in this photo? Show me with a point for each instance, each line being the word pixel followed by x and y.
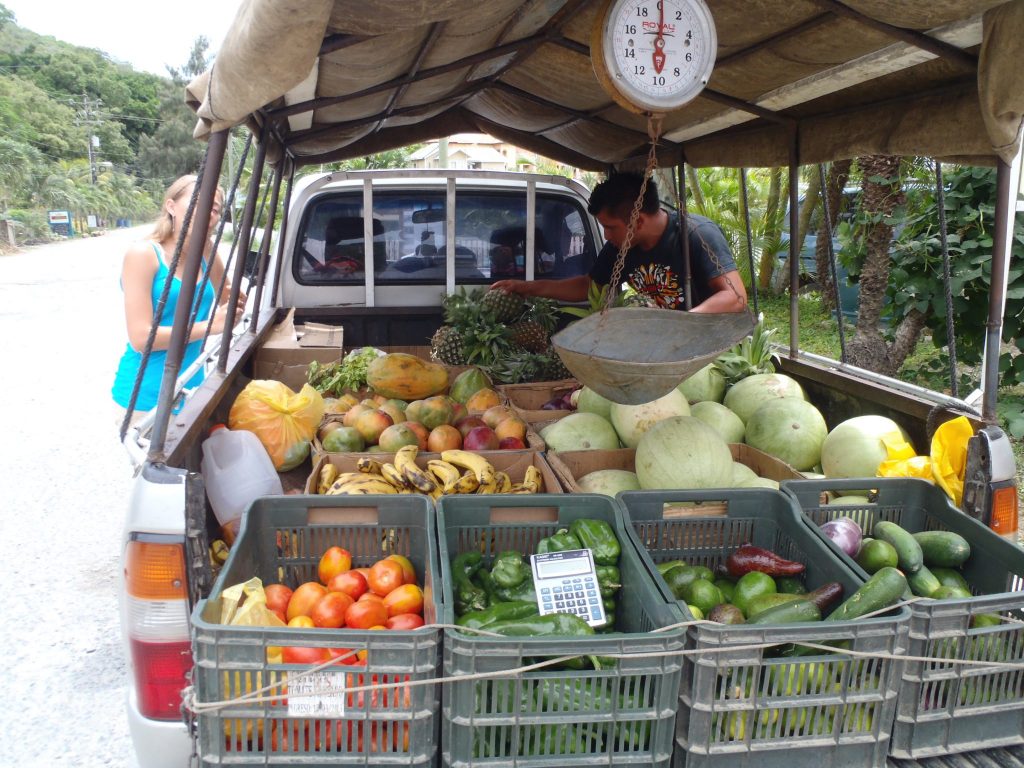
pixel 833 270
pixel 265 246
pixel 244 239
pixel 684 234
pixel 940 204
pixel 1002 235
pixel 750 239
pixel 794 253
pixel 282 237
pixel 179 339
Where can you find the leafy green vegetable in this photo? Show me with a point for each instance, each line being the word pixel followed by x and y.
pixel 333 379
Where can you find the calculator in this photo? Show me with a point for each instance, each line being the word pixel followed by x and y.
pixel 566 582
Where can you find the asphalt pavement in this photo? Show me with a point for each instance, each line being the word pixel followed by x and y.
pixel 65 480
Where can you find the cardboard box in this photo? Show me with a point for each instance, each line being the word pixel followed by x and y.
pixel 527 399
pixel 572 465
pixel 290 349
pixel 512 462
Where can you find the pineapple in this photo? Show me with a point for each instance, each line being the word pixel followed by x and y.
pixel 505 306
pixel 446 346
pixel 529 335
pixel 555 369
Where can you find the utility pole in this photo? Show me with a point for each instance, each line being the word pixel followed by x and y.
pixel 87 116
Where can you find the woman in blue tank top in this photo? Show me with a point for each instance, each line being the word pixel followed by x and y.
pixel 143 274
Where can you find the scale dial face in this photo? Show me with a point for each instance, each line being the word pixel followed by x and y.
pixel 654 55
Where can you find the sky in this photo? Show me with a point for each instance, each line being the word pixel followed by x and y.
pixel 146 34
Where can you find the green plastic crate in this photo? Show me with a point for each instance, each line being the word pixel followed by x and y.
pixel 613 717
pixel 739 707
pixel 945 708
pixel 281 540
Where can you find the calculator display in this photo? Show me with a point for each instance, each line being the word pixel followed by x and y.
pixel 553 569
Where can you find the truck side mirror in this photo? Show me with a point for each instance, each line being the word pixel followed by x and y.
pixel 252 264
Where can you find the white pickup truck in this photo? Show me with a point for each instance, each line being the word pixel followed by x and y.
pixel 324 80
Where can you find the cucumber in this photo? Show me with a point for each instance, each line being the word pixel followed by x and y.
pixel 788 613
pixel 950 578
pixel 923 582
pixel 762 603
pixel 943 548
pixel 791 585
pixel 882 590
pixel 907 549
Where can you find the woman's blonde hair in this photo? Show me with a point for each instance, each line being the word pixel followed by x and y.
pixel 164 225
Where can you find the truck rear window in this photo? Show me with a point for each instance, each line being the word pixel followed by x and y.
pixel 409 238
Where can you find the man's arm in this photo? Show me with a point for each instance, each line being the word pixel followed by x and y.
pixel 729 294
pixel 572 289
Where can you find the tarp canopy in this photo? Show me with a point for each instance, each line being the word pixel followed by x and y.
pixel 336 79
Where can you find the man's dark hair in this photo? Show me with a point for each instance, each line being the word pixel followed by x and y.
pixel 619 192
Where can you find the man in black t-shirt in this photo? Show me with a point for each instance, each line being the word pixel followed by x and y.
pixel 654 264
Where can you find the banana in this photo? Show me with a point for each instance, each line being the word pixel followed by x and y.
pixel 490 486
pixel 519 488
pixel 467 483
pixel 444 472
pixel 533 480
pixel 218 553
pixel 356 482
pixel 503 482
pixel 393 476
pixel 368 465
pixel 405 461
pixel 328 474
pixel 481 467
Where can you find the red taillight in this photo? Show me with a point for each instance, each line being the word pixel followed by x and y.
pixel 156 620
pixel 160 670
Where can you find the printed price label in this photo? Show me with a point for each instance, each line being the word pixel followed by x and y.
pixel 321 694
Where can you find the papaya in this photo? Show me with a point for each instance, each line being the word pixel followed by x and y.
pixel 406 377
pixel 468 383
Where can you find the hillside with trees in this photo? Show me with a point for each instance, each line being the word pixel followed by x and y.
pixel 82 132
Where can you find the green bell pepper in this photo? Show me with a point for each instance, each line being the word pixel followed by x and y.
pixel 482 579
pixel 557 696
pixel 560 541
pixel 509 569
pixel 497 612
pixel 567 624
pixel 524 591
pixel 599 538
pixel 608 579
pixel 468 596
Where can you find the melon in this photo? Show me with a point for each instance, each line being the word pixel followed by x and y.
pixel 855 447
pixel 683 452
pixel 759 482
pixel 790 429
pixel 853 500
pixel 609 481
pixel 589 401
pixel 631 421
pixel 741 472
pixel 719 418
pixel 706 385
pixel 580 432
pixel 746 395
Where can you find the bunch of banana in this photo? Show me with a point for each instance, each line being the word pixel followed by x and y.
pixel 219 551
pixel 457 471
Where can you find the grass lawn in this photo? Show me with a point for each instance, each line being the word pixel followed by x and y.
pixel 819 334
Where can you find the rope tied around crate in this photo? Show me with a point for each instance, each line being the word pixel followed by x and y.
pixel 191 704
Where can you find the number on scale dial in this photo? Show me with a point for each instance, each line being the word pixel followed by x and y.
pixel 654 55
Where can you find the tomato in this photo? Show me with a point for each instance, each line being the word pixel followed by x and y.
pixel 366 614
pixel 334 561
pixel 330 610
pixel 301 621
pixel 405 621
pixel 364 571
pixel 352 583
pixel 278 596
pixel 298 654
pixel 407 567
pixel 348 660
pixel 371 598
pixel 304 598
pixel 407 598
pixel 385 575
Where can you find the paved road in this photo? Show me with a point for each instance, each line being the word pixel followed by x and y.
pixel 64 479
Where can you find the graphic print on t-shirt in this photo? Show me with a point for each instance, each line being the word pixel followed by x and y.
pixel 658 282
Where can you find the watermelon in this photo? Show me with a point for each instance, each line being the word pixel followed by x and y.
pixel 683 452
pixel 706 385
pixel 746 395
pixel 580 432
pixel 589 401
pixel 790 429
pixel 631 421
pixel 609 481
pixel 855 447
pixel 719 418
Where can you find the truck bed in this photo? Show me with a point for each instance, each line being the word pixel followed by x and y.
pixel 1008 757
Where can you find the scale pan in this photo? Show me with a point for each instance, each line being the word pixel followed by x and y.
pixel 632 355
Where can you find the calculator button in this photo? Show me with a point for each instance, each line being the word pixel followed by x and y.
pixel 591 593
pixel 576 580
pixel 594 601
pixel 579 595
pixel 545 591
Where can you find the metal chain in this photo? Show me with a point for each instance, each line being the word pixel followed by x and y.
pixel 653 131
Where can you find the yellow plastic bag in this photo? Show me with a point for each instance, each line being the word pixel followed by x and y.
pixel 245 605
pixel 903 461
pixel 283 420
pixel 949 456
